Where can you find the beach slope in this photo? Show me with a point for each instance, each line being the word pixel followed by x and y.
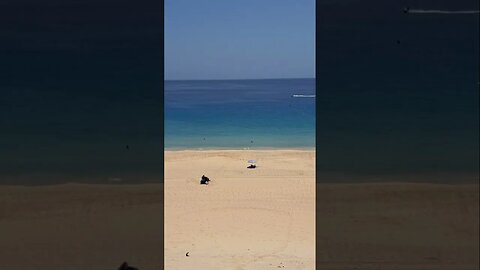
pixel 261 218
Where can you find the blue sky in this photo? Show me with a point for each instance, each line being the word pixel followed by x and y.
pixel 248 39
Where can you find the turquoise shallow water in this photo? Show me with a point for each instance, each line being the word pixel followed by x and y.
pixel 239 114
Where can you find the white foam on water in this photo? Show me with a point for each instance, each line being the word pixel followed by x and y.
pixel 435 11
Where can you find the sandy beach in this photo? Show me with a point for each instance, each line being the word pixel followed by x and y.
pixel 245 219
pixel 76 226
pixel 398 226
pixel 264 218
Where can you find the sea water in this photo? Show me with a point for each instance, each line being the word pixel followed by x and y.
pixel 240 114
pixel 398 93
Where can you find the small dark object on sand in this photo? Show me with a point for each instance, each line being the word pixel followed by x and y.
pixel 125 266
pixel 186 254
pixel 252 166
pixel 205 180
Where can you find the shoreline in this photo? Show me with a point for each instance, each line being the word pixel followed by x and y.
pixel 177 149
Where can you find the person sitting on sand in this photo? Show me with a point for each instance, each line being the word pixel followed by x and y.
pixel 204 180
pixel 252 166
pixel 125 266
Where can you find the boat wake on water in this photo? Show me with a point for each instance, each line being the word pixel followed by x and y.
pixel 303 96
pixel 434 11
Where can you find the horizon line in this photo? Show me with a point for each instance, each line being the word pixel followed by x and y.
pixel 293 78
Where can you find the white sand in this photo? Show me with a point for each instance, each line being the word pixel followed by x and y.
pixel 245 219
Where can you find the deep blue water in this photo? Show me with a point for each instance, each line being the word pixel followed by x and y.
pixel 80 80
pixel 239 114
pixel 55 136
pixel 398 94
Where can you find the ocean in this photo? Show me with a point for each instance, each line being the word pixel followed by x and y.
pixel 397 93
pixel 52 136
pixel 239 114
pixel 397 97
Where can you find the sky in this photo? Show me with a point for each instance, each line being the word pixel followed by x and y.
pixel 249 39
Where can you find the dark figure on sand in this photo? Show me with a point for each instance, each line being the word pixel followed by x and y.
pixel 252 166
pixel 204 180
pixel 125 266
